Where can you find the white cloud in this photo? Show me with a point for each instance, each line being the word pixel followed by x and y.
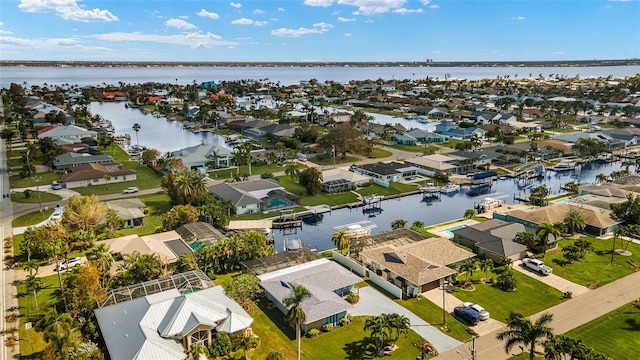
pixel 236 5
pixel 68 10
pixel 280 9
pixel 321 3
pixel 192 39
pixel 258 11
pixel 559 52
pixel 348 34
pixel 372 7
pixel 318 28
pixel 180 24
pixel 520 18
pixel 49 43
pixel 342 19
pixel 404 11
pixel 434 6
pixel 207 14
pixel 4 31
pixel 245 21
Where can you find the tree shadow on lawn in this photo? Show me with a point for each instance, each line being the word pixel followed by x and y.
pixel 278 318
pixel 361 349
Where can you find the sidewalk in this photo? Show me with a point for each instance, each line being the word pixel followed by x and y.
pixel 552 280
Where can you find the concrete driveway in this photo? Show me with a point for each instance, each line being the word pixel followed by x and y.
pixel 552 280
pixel 374 303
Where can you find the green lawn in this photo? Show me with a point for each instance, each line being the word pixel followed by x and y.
pixel 614 334
pixel 432 314
pixel 596 266
pixel 379 153
pixel 426 150
pixel 32 218
pixel 34 199
pixel 318 199
pixel 395 188
pixel 45 180
pixel 32 341
pixel 228 173
pixel 349 342
pixel 338 160
pixel 158 205
pixel 530 296
pixel 146 178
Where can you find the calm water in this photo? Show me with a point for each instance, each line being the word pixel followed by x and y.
pixel 317 235
pixel 284 75
pixel 157 133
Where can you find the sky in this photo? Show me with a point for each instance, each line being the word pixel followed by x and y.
pixel 319 30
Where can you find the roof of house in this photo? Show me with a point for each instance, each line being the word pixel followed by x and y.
pixel 70 158
pixel 384 168
pixel 343 174
pixel 556 213
pixel 199 231
pixel 435 161
pixel 226 192
pixel 147 327
pixel 67 130
pixel 420 262
pixel 84 172
pixel 608 190
pixel 256 185
pixel 128 209
pixel 494 235
pixel 200 153
pixel 321 277
pixel 167 245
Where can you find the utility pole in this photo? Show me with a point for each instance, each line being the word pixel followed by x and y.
pixel 473 348
pixel 333 150
pixel 444 311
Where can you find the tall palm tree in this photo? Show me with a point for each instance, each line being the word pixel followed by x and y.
pixel 190 185
pixel 398 224
pixel 399 324
pixel 543 232
pixel 468 267
pixel 296 314
pixel 574 221
pixel 486 265
pixel 34 283
pixel 101 257
pixel 136 127
pixel 341 239
pixel 525 238
pixel 521 330
pixel 601 179
pixel 379 327
pixel 291 169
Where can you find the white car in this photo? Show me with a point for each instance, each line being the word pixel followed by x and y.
pixel 130 190
pixel 482 313
pixel 537 265
pixel 72 262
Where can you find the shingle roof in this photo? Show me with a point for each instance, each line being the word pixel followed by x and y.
pixel 84 172
pixel 556 213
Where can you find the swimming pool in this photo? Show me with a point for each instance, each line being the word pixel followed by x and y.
pixel 276 203
pixel 449 231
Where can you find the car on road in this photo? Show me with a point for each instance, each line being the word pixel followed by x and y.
pixel 482 313
pixel 537 266
pixel 466 315
pixel 67 265
pixel 130 190
pixel 57 185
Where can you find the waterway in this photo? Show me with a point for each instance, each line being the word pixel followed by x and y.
pixel 316 233
pixel 100 76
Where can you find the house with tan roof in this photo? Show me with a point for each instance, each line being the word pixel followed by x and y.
pixel 131 211
pixel 438 162
pixel 598 221
pixel 85 175
pixel 415 267
pixel 341 179
pixel 167 245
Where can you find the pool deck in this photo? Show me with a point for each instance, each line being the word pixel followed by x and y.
pixel 442 230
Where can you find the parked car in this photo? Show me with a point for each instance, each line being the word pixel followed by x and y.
pixel 72 262
pixel 130 190
pixel 482 313
pixel 466 315
pixel 537 265
pixel 57 185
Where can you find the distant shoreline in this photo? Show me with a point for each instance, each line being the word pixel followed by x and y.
pixel 566 63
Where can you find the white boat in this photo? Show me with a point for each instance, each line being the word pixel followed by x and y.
pixel 372 198
pixel 449 188
pixel 605 157
pixel 356 231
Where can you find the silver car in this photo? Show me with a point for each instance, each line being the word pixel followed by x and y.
pixel 482 313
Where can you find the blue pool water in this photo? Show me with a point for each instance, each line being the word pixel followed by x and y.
pixel 276 203
pixel 451 230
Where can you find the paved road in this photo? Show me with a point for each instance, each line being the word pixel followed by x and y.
pixel 566 316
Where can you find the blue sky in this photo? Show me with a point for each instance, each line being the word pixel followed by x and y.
pixel 319 30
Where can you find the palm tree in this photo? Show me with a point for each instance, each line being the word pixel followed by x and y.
pixel 468 267
pixel 101 257
pixel 521 330
pixel 136 127
pixel 31 266
pixel 399 323
pixel 398 224
pixel 486 265
pixel 543 232
pixel 583 246
pixel 574 221
pixel 525 238
pixel 34 283
pixel 190 185
pixel 296 314
pixel 601 179
pixel 291 169
pixel 341 240
pixel 379 328
pixel 469 213
pixel 106 178
pixel 246 343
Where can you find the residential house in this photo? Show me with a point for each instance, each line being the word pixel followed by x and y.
pixel 204 156
pixel 598 221
pixel 610 142
pixel 479 157
pixel 629 138
pixel 486 117
pixel 341 179
pixel 439 163
pixel 68 161
pixel 425 136
pixel 198 233
pixel 131 211
pixel 167 245
pixel 254 195
pixel 327 282
pixel 90 174
pixel 114 95
pixel 168 318
pixel 493 239
pixel 404 139
pixel 415 267
pixel 387 172
pixel 68 134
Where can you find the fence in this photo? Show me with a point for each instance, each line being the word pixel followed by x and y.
pixel 362 271
pixel 380 182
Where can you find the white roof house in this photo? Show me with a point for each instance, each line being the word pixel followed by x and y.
pixel 194 157
pixel 69 134
pixel 164 324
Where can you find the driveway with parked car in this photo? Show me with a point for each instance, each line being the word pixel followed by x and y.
pixel 552 280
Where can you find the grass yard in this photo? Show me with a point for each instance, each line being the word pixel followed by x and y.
pixel 338 160
pixel 158 205
pixel 32 218
pixel 32 341
pixel 349 342
pixel 16 182
pixel 20 197
pixel 228 173
pixel 146 178
pixel 595 267
pixel 318 199
pixel 395 188
pixel 432 314
pixel 426 150
pixel 530 296
pixel 379 153
pixel 621 328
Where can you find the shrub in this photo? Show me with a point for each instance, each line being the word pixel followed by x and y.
pixel 158 229
pixel 353 298
pixel 327 327
pixel 506 281
pixel 146 210
pixel 345 320
pixel 266 175
pixel 27 193
pixel 221 346
pixel 275 355
pixel 313 333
